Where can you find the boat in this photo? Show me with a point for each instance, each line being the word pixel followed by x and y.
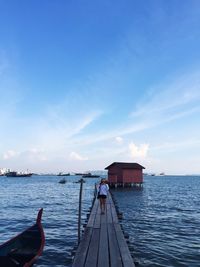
pixel 15 174
pixel 89 175
pixel 25 248
pixel 80 181
pixel 62 181
pixel 63 174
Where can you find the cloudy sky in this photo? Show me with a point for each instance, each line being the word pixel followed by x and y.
pixel 87 83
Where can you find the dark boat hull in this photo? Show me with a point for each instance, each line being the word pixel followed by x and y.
pixel 90 176
pixel 24 249
pixel 15 174
pixel 62 181
pixel 64 174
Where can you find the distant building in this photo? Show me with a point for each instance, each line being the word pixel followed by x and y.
pixel 3 171
pixel 125 174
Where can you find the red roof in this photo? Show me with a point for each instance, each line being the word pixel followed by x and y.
pixel 125 165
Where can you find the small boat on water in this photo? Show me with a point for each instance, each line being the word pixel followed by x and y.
pixel 63 174
pixel 62 181
pixel 89 175
pixel 24 249
pixel 79 173
pixel 16 174
pixel 80 181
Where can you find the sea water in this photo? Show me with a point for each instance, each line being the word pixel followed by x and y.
pixel 162 219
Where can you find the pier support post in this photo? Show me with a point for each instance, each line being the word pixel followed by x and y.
pixel 79 210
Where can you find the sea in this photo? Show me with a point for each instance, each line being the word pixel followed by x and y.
pixel 161 220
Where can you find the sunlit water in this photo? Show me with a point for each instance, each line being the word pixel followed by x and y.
pixel 162 219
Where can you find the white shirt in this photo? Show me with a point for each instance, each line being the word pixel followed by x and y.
pixel 103 189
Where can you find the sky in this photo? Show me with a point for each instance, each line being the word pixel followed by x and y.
pixel 90 82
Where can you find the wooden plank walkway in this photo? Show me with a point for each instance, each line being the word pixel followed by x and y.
pixel 103 243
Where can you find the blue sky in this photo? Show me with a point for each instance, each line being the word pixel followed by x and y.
pixel 86 83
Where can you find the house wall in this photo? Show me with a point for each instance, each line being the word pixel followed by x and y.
pixel 115 171
pixel 112 178
pixel 128 176
pixel 117 175
pixel 132 176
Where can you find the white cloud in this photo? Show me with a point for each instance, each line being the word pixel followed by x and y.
pixel 30 155
pixel 10 154
pixel 138 151
pixel 173 146
pixel 56 130
pixel 172 101
pixel 108 135
pixel 76 156
pixel 181 94
pixel 119 139
pixel 34 154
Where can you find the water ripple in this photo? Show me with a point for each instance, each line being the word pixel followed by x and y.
pixel 21 199
pixel 163 221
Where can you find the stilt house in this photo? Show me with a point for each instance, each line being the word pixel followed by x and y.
pixel 125 174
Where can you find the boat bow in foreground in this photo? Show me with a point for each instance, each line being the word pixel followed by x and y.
pixel 24 249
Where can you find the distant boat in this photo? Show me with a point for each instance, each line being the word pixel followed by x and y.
pixel 89 175
pixel 24 249
pixel 63 174
pixel 62 181
pixel 79 181
pixel 79 173
pixel 162 173
pixel 15 174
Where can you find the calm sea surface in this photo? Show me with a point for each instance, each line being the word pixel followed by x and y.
pixel 162 219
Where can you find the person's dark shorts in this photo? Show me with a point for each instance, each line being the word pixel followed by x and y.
pixel 102 196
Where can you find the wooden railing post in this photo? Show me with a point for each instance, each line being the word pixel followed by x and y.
pixel 79 210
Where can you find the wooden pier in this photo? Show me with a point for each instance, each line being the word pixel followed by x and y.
pixel 103 243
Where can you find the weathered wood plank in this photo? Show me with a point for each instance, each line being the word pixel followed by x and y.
pixel 97 218
pixel 114 214
pixel 103 256
pixel 113 210
pixel 123 247
pixel 91 220
pixel 115 257
pixel 82 250
pixel 109 199
pixel 103 243
pixel 95 206
pixel 103 219
pixel 93 214
pixel 109 214
pixel 92 255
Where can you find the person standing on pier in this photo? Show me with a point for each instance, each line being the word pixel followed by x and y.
pixel 102 194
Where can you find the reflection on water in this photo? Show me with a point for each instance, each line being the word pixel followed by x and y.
pixel 162 219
